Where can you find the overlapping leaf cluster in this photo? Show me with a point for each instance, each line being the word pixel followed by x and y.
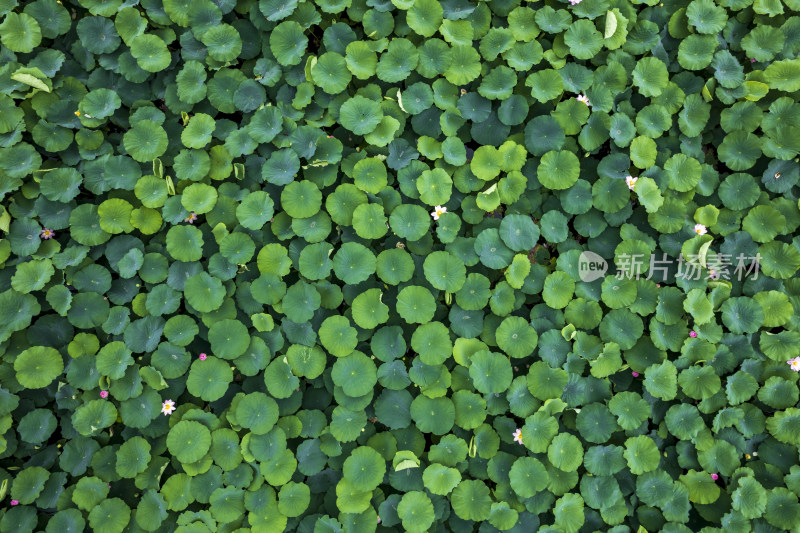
pixel 255 179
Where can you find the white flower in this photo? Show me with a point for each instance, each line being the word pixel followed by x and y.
pixel 518 435
pixel 583 98
pixel 630 181
pixel 575 2
pixel 794 364
pixel 438 211
pixel 700 229
pixel 167 407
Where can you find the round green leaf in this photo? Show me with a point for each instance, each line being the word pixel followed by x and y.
pixel 188 441
pixel 558 170
pixel 38 366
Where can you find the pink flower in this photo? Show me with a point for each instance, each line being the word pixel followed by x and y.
pixel 752 60
pixel 794 364
pixel 438 211
pixel 104 394
pixel 635 374
pixel 203 357
pixel 630 181
pixel 191 218
pixel 714 477
pixel 14 502
pixel 582 97
pixel 700 229
pixel 47 234
pixel 168 407
pixel 518 435
pixel 693 334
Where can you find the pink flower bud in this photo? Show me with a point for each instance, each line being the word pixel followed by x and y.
pixel 714 477
pixel 635 374
pixel 693 334
pixel 14 502
pixel 203 357
pixel 104 394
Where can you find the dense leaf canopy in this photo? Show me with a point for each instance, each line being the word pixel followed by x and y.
pixel 408 265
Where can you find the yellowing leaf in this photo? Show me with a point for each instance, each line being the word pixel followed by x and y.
pixel 310 62
pixel 400 101
pixel 29 79
pixel 405 459
pixel 756 90
pixel 489 200
pixel 220 232
pixel 5 219
pixel 611 24
pixel 405 465
pixel 707 94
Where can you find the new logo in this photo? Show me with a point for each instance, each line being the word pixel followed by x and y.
pixel 591 266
